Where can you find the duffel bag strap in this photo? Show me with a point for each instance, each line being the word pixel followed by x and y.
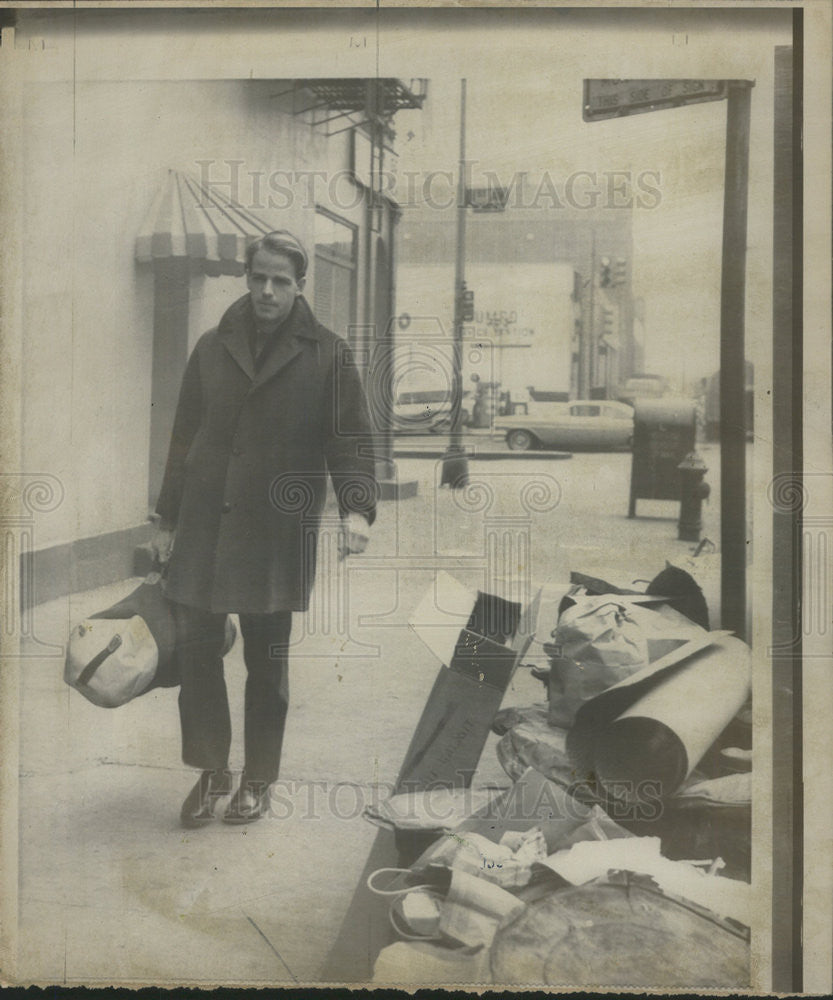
pixel 87 673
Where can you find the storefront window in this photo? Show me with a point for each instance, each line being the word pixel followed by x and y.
pixel 334 289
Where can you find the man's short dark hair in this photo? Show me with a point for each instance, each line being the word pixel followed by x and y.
pixel 280 241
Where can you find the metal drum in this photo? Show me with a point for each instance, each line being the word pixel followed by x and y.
pixel 620 935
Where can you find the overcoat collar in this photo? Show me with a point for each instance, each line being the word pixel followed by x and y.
pixel 238 322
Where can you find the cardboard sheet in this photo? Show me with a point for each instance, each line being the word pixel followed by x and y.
pixel 478 638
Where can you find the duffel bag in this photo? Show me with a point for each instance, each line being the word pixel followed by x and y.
pixel 127 649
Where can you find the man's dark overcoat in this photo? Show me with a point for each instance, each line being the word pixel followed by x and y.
pixel 246 478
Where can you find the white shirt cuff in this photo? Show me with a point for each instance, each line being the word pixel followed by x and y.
pixel 357 523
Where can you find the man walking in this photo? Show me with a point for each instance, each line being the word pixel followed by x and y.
pixel 271 404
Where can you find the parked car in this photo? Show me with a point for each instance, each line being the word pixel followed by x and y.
pixel 425 411
pixel 603 425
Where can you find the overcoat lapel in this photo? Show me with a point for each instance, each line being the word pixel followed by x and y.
pixel 234 333
pixel 235 329
pixel 280 354
pixel 300 326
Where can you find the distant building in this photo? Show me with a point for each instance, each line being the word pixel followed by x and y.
pixel 541 307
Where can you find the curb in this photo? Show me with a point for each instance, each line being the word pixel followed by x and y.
pixel 484 456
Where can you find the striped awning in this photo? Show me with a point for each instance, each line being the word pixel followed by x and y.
pixel 196 220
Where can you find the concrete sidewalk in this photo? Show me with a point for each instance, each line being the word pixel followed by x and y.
pixel 112 890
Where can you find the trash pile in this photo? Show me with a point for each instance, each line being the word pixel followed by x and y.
pixel 619 855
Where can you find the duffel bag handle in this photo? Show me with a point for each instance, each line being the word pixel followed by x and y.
pixel 87 673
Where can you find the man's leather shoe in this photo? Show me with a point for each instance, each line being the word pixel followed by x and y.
pixel 249 802
pixel 198 807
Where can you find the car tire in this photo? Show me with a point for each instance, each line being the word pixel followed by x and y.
pixel 521 440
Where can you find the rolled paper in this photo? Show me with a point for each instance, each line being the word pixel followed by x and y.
pixel 656 726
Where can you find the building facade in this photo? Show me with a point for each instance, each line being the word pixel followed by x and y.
pixel 139 199
pixel 552 298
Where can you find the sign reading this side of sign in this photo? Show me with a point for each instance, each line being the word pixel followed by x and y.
pixel 617 98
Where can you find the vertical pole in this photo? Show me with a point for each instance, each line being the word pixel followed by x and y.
pixel 171 292
pixel 732 363
pixel 384 337
pixel 590 341
pixel 377 345
pixel 787 681
pixel 380 299
pixel 12 508
pixel 455 472
pixel 366 338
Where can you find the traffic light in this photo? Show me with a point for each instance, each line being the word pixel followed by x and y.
pixel 620 271
pixel 605 275
pixel 608 322
pixel 466 304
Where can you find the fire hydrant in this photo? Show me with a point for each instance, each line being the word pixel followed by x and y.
pixel 693 491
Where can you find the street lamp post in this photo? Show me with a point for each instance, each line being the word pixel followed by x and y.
pixel 455 471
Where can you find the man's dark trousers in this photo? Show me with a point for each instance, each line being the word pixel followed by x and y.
pixel 203 701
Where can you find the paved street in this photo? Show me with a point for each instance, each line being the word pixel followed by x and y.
pixel 112 889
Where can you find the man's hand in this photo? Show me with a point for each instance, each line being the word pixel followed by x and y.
pixel 162 543
pixel 355 534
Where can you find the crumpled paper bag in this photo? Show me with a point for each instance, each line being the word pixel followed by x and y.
pixel 596 644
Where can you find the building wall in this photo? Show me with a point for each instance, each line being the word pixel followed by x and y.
pixel 87 311
pixel 521 334
pixel 535 264
pixel 520 235
pixel 525 311
pixel 95 157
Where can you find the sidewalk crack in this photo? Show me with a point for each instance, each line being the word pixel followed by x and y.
pixel 273 948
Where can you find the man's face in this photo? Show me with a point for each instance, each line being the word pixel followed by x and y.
pixel 273 285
